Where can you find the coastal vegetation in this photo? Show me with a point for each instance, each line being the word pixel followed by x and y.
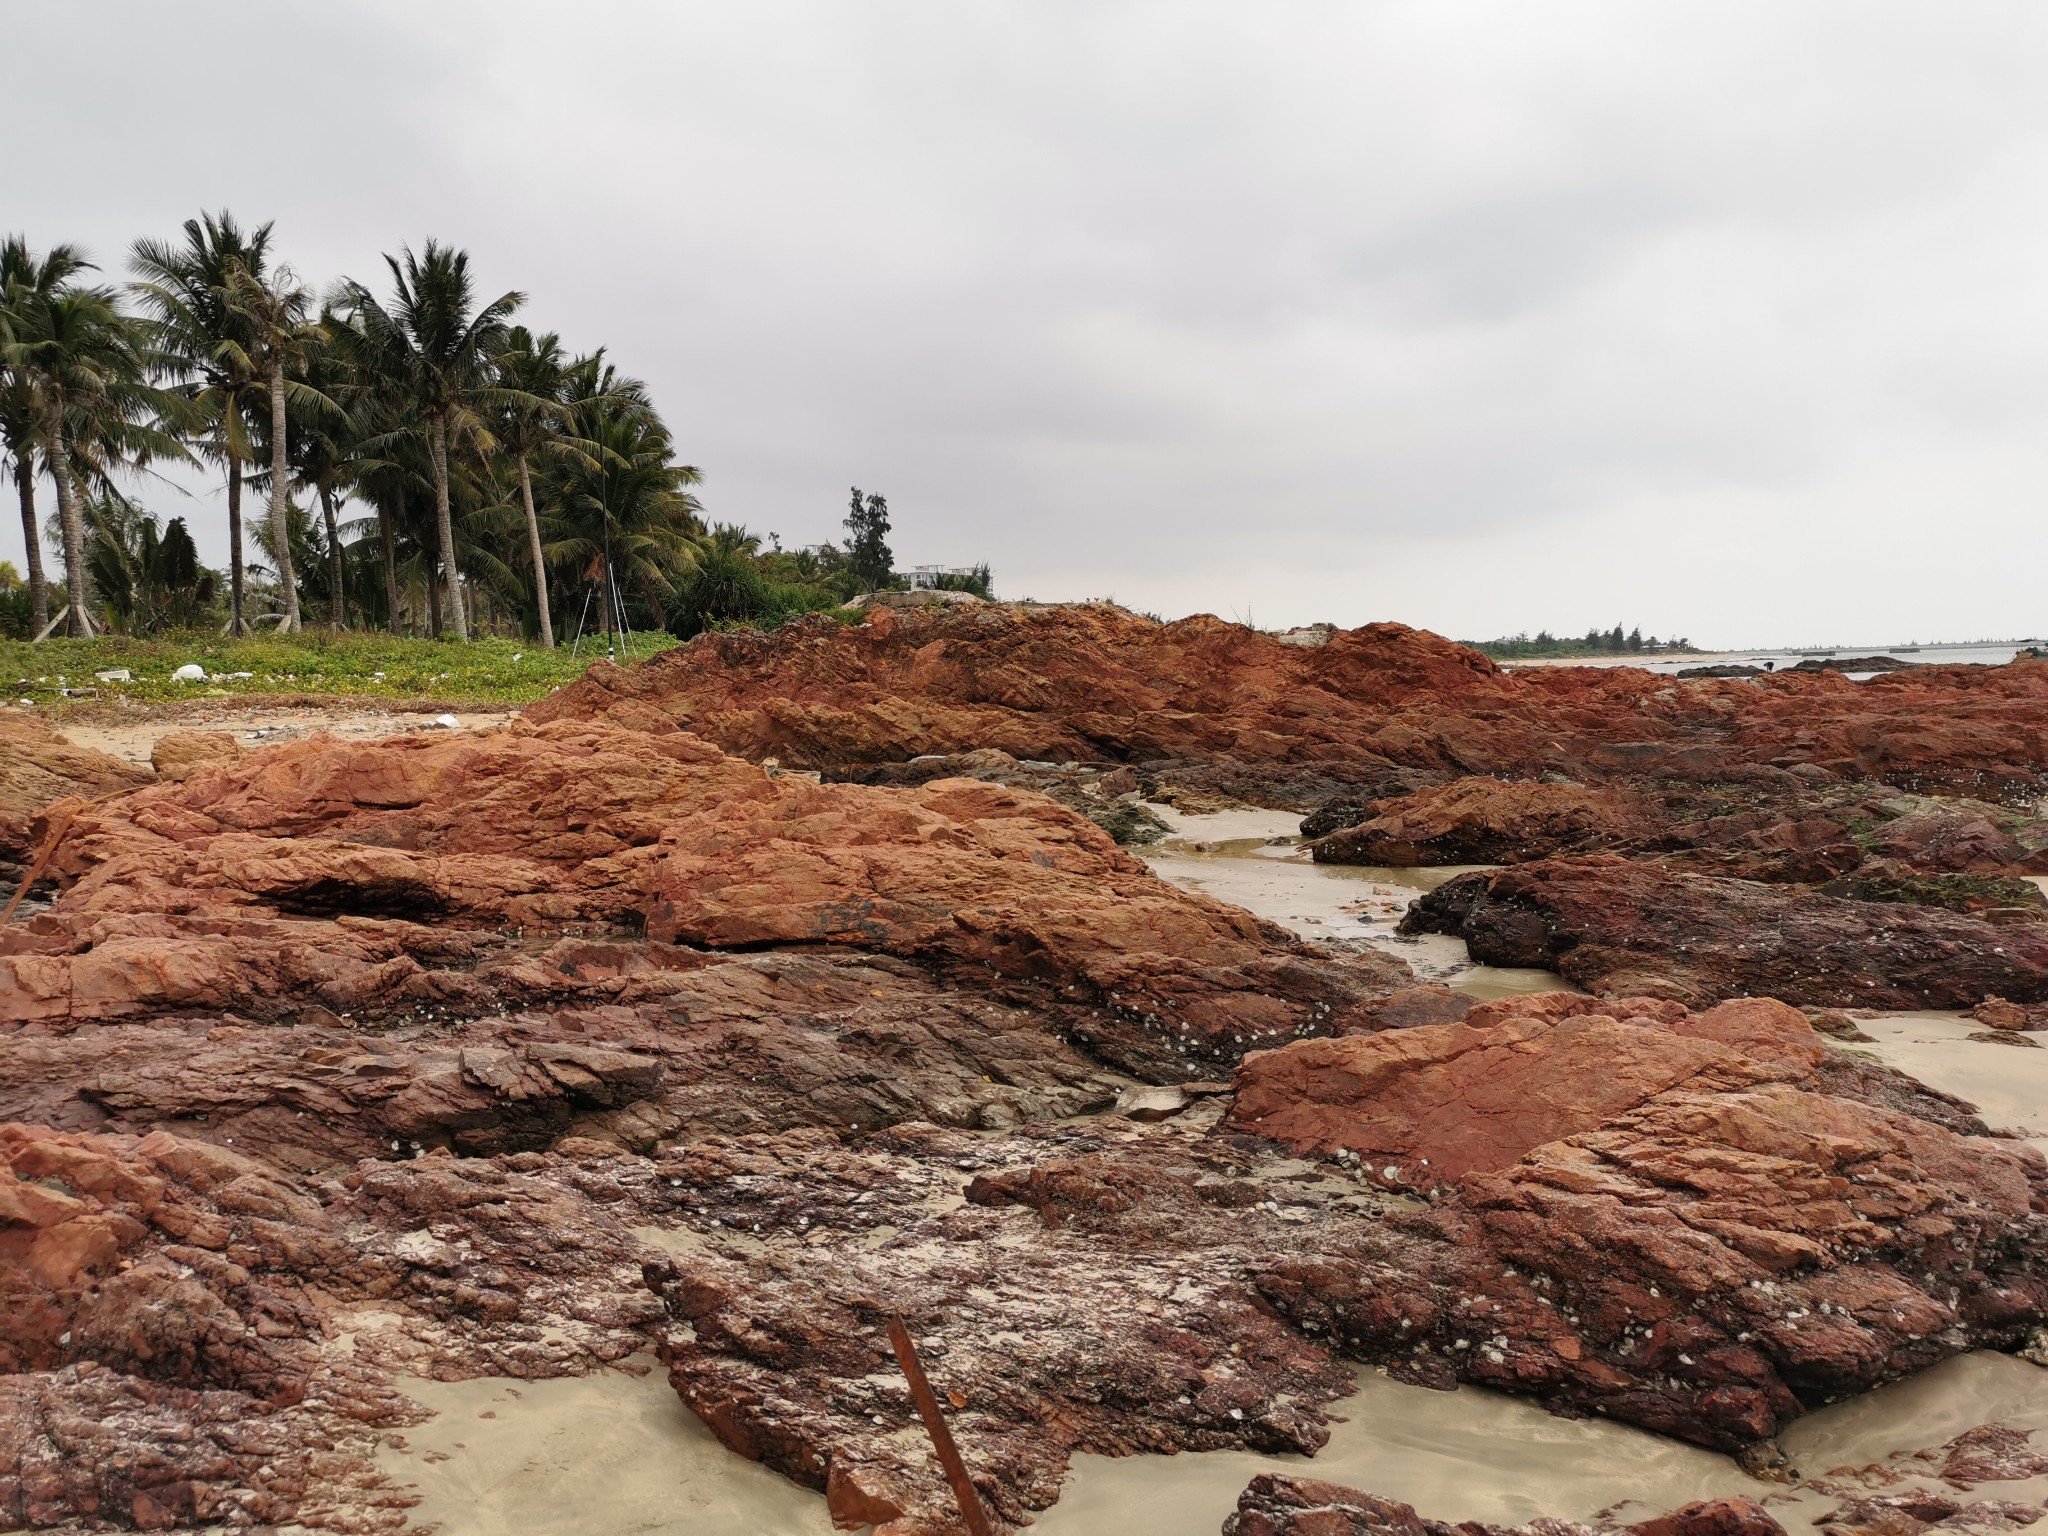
pixel 415 461
pixel 1595 642
pixel 61 675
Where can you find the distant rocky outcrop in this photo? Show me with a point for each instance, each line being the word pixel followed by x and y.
pixel 1295 725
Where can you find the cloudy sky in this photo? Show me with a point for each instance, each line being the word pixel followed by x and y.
pixel 1725 319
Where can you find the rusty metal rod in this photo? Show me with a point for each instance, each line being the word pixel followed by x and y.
pixel 942 1437
pixel 35 871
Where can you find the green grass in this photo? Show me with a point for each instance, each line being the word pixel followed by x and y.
pixel 483 672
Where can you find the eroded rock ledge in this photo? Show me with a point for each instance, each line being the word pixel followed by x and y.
pixel 1213 705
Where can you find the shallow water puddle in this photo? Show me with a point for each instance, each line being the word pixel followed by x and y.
pixel 1254 859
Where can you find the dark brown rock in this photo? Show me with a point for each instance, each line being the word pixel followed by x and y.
pixel 1619 927
pixel 1275 1504
pixel 1487 821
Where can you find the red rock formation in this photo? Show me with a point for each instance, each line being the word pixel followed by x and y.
pixel 1487 821
pixel 384 877
pixel 1095 683
pixel 1709 1229
pixel 1618 927
pixel 1790 832
pixel 178 755
pixel 520 1053
pixel 38 766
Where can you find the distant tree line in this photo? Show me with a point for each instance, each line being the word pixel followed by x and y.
pixel 1595 642
pixel 420 461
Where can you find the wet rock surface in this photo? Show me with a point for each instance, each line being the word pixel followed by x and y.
pixel 1620 926
pixel 1278 1505
pixel 1796 833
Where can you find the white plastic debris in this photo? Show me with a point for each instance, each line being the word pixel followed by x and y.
pixel 114 675
pixel 449 721
pixel 191 672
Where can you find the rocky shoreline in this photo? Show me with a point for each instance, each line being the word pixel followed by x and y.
pixel 724 1006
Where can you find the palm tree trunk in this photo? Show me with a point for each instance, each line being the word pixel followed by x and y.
pixel 280 524
pixel 390 542
pixel 540 570
pixel 433 606
pixel 235 624
pixel 446 525
pixel 38 584
pixel 72 520
pixel 337 602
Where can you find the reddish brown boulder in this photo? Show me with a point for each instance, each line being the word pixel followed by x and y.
pixel 1413 1006
pixel 38 766
pixel 1487 821
pixel 1426 1106
pixel 178 755
pixel 1710 1227
pixel 1874 843
pixel 1095 683
pixel 1618 927
pixel 1998 1013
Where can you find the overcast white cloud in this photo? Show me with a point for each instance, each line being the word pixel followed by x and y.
pixel 1726 319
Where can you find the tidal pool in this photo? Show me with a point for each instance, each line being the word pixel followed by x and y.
pixel 1255 859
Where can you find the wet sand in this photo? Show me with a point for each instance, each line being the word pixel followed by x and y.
pixel 610 1454
pixel 618 1453
pixel 2007 1083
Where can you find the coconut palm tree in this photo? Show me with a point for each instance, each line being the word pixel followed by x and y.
pixel 206 349
pixel 26 278
pixel 387 457
pixel 147 574
pixel 530 425
pixel 441 344
pixel 88 365
pixel 274 315
pixel 621 508
pixel 323 444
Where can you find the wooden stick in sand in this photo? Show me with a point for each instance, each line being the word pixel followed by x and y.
pixel 942 1437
